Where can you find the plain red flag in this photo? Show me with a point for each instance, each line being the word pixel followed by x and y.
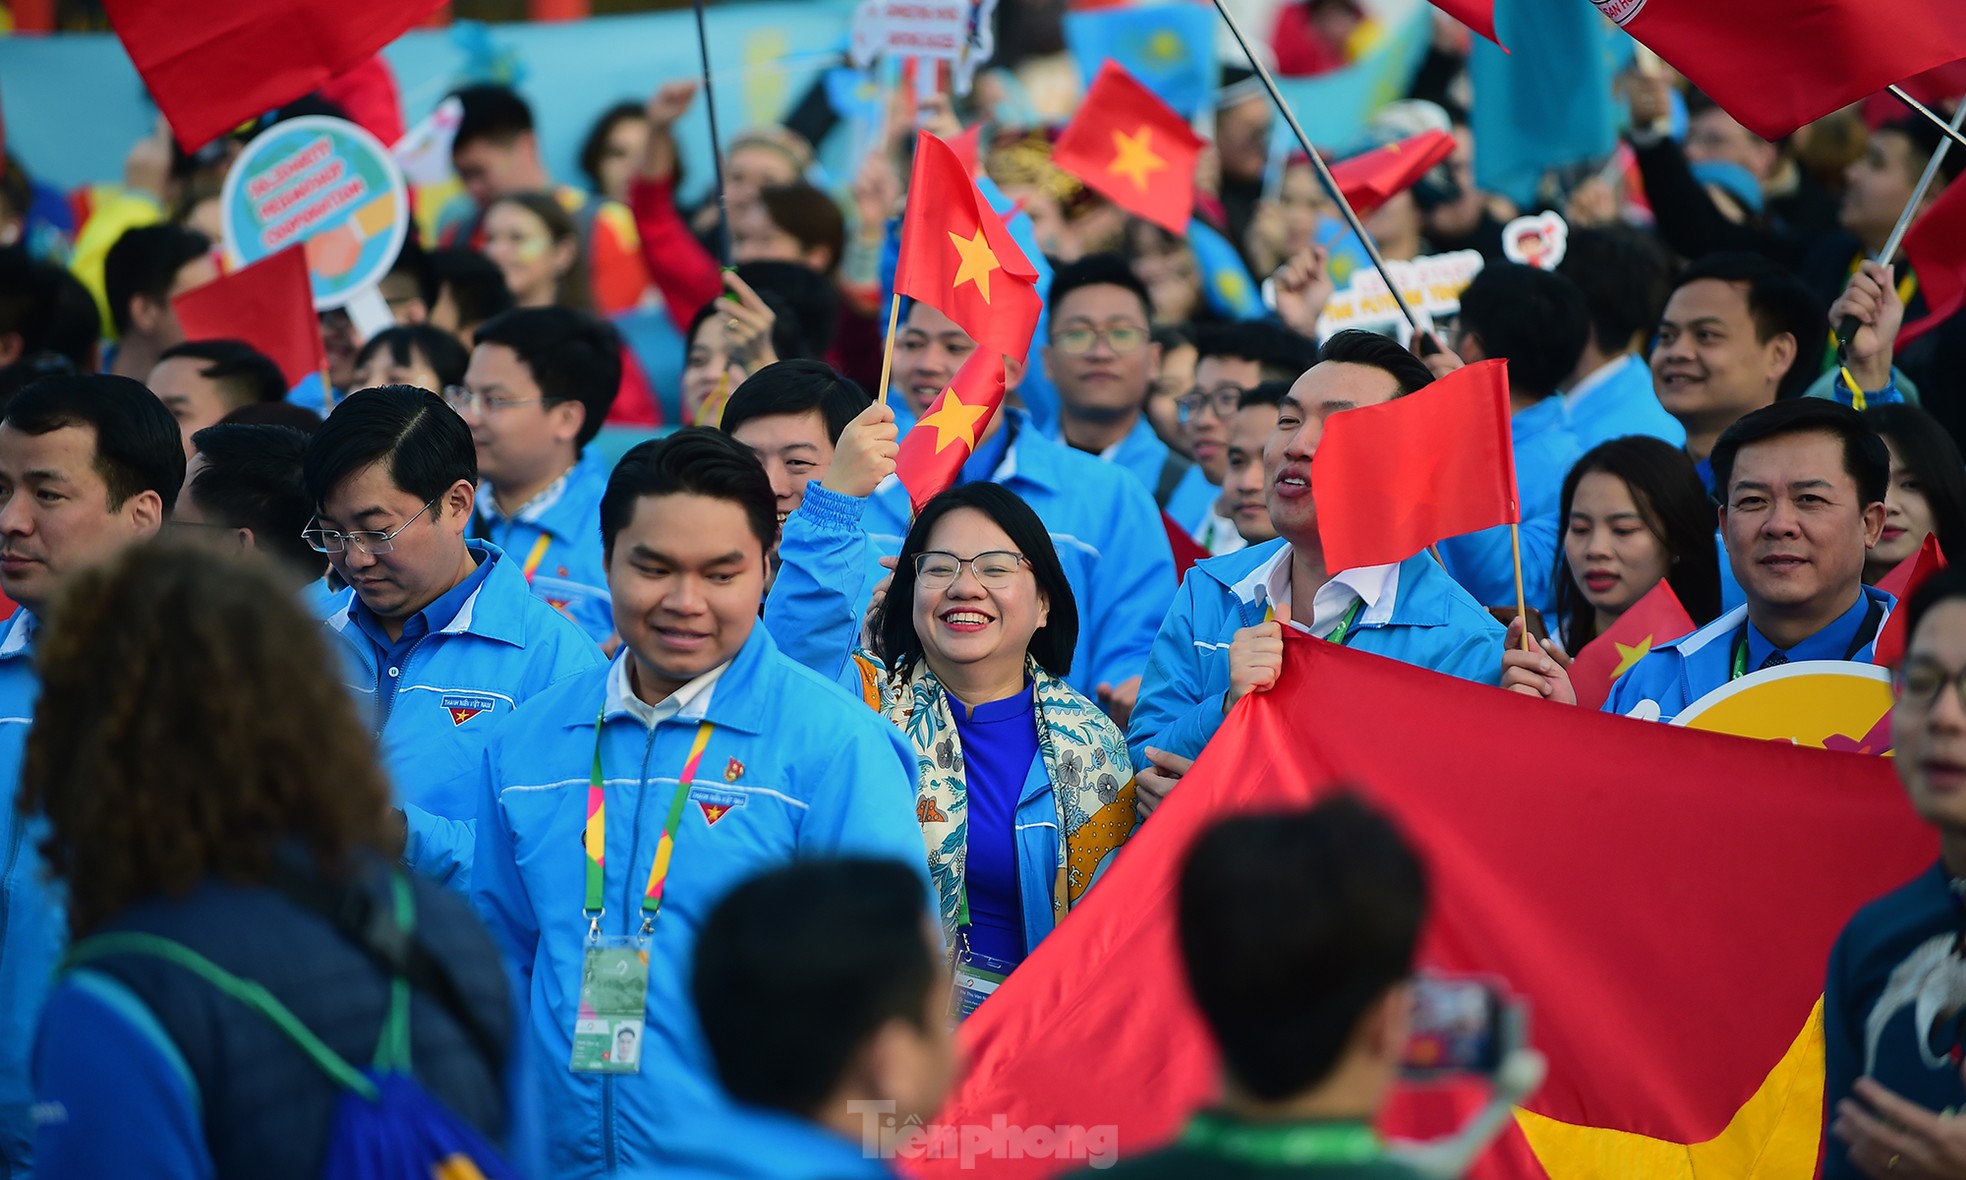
pixel 212 67
pixel 1133 149
pixel 1901 583
pixel 1777 64
pixel 1936 248
pixel 1638 883
pixel 1478 15
pixel 1392 479
pixel 1370 180
pixel 1657 617
pixel 933 452
pixel 958 257
pixel 269 305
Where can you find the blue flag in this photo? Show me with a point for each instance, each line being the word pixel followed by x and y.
pixel 1225 281
pixel 1170 48
pixel 1333 108
pixel 1545 104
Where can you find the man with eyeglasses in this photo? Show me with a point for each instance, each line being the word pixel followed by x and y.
pixel 442 637
pixel 541 382
pixel 1234 357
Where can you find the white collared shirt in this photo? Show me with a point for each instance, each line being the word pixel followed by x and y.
pixel 621 698
pixel 1377 586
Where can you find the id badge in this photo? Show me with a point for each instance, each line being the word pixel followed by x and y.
pixel 614 989
pixel 975 976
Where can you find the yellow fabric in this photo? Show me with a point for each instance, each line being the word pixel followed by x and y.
pixel 113 211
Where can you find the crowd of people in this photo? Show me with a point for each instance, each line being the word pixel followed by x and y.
pixel 616 762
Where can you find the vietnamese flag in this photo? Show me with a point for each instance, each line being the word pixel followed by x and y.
pixel 1657 617
pixel 1936 249
pixel 1130 147
pixel 1392 479
pixel 1636 883
pixel 933 452
pixel 1370 180
pixel 269 305
pixel 211 68
pixel 1777 64
pixel 957 256
pixel 1901 583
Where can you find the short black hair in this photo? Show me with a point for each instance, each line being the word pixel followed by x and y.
pixel 796 387
pixel 476 284
pixel 1623 272
pixel 596 143
pixel 145 261
pixel 405 342
pixel 426 445
pixel 413 260
pixel 1778 302
pixel 572 355
pixel 1534 319
pixel 1097 270
pixel 1356 346
pixel 244 373
pixel 1264 393
pixel 1943 586
pixel 788 335
pixel 138 445
pixel 858 930
pixel 895 640
pixel 274 414
pixel 1926 450
pixel 695 460
pixel 1293 924
pixel 813 298
pixel 1925 139
pixel 1864 454
pixel 809 215
pixel 492 112
pixel 1281 354
pixel 20 300
pixel 1173 336
pixel 251 479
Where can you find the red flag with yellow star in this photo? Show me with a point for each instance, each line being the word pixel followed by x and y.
pixel 1657 617
pixel 1130 147
pixel 934 449
pixel 1370 180
pixel 1901 583
pixel 957 257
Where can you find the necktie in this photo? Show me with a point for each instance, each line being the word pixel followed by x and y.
pixel 1775 660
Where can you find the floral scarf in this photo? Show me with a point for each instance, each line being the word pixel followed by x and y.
pixel 1084 756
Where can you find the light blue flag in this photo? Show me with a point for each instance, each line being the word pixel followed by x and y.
pixel 1333 107
pixel 1225 281
pixel 1546 103
pixel 1170 48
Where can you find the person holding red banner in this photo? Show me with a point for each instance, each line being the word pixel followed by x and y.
pixel 1927 494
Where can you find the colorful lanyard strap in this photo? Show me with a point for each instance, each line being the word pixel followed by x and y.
pixel 1293 1144
pixel 1345 621
pixel 1866 632
pixel 537 555
pixel 596 842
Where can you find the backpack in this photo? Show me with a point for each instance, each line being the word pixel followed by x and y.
pixel 386 1126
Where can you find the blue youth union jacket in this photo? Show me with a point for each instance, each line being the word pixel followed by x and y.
pixel 32 925
pixel 794 768
pixel 570 576
pixel 433 714
pixel 1433 624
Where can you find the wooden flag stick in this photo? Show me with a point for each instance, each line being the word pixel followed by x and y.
pixel 887 346
pixel 1521 603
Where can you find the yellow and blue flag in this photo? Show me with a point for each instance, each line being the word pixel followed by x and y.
pixel 1170 48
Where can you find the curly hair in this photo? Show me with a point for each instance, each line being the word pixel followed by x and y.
pixel 190 727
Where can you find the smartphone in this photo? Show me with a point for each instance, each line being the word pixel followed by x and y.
pixel 1462 1025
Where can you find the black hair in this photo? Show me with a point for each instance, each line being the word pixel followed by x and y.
pixel 138 445
pixel 697 461
pixel 858 930
pixel 20 301
pixel 1674 504
pixel 813 298
pixel 1264 393
pixel 1622 272
pixel 406 342
pixel 244 373
pixel 1097 270
pixel 1168 336
pixel 426 445
pixel 796 387
pixel 251 479
pixel 145 261
pixel 413 260
pixel 788 339
pixel 1356 346
pixel 274 414
pixel 1943 586
pixel 73 325
pixel 1281 354
pixel 1864 454
pixel 1292 925
pixel 596 143
pixel 1534 319
pixel 1928 452
pixel 492 112
pixel 895 640
pixel 810 216
pixel 1778 302
pixel 476 284
pixel 572 355
pixel 1925 140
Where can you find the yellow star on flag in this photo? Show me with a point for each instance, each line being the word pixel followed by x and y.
pixel 978 261
pixel 1629 655
pixel 954 420
pixel 1134 157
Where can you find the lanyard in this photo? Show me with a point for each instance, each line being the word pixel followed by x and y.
pixel 537 555
pixel 1345 621
pixel 1866 632
pixel 1290 1144
pixel 596 844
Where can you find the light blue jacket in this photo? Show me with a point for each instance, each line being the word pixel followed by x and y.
pixel 794 768
pixel 1433 624
pixel 1545 447
pixel 33 929
pixel 570 577
pixel 1621 403
pixel 1108 534
pixel 432 715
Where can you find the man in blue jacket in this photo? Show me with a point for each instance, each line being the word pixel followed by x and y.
pixel 442 638
pixel 541 382
pixel 88 466
pixel 1223 639
pixel 621 805
pixel 1623 273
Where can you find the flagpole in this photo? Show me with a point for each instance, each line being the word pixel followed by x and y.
pixel 1521 601
pixel 1949 130
pixel 1317 162
pixel 716 143
pixel 887 349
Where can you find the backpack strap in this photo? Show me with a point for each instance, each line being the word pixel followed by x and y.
pixel 1172 470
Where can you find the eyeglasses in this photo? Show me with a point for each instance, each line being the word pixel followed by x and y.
pixel 936 570
pixel 370 542
pixel 1920 684
pixel 463 400
pixel 1121 338
pixel 1223 401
